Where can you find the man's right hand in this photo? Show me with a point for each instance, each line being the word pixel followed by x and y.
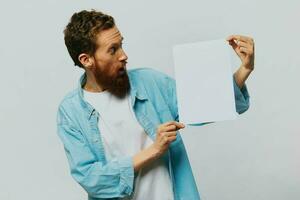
pixel 166 134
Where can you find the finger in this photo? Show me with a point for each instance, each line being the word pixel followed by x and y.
pixel 229 38
pixel 234 37
pixel 240 37
pixel 239 43
pixel 248 45
pixel 232 43
pixel 236 48
pixel 243 44
pixel 162 127
pixel 171 139
pixel 177 124
pixel 248 39
pixel 168 134
pixel 244 50
pixel 169 128
pixel 165 135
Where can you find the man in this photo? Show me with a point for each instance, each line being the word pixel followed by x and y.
pixel 120 128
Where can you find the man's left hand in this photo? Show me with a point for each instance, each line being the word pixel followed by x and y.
pixel 244 48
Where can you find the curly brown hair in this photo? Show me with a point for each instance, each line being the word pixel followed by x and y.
pixel 80 33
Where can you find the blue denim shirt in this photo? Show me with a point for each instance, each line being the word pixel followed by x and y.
pixel 153 97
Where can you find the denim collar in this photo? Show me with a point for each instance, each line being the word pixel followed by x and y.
pixel 135 93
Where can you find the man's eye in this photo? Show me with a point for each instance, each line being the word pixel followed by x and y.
pixel 113 50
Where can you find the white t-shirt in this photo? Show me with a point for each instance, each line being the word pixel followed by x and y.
pixel 122 135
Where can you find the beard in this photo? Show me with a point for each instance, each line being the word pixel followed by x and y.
pixel 118 84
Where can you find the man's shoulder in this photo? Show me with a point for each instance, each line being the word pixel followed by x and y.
pixel 145 70
pixel 69 99
pixel 148 75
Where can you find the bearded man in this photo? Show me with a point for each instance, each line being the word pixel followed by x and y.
pixel 119 128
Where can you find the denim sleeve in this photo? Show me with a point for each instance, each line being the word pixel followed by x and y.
pixel 172 96
pixel 241 98
pixel 113 179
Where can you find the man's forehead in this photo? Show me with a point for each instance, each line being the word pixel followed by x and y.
pixel 109 36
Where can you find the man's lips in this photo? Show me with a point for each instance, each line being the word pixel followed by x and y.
pixel 122 71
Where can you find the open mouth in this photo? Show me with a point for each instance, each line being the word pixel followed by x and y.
pixel 122 71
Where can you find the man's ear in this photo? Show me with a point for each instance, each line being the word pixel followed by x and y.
pixel 86 60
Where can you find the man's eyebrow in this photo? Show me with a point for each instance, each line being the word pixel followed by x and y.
pixel 114 44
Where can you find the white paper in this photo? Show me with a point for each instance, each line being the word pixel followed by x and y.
pixel 204 82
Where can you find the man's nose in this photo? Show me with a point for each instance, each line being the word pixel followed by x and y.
pixel 123 56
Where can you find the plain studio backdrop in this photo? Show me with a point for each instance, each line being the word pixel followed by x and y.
pixel 256 156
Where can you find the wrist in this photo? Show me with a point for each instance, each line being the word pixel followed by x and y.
pixel 247 68
pixel 154 151
pixel 145 157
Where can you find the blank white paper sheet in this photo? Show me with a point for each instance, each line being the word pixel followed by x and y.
pixel 204 82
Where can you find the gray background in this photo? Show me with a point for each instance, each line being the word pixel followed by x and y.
pixel 254 157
